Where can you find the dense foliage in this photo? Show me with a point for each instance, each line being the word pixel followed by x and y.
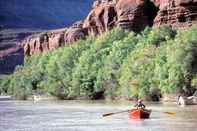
pixel 117 64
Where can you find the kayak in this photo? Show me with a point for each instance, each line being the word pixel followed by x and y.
pixel 139 114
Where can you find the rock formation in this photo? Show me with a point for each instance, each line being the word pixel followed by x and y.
pixel 135 15
pixel 176 13
pixel 75 32
pixel 132 15
pixel 102 17
pixel 43 42
pixel 53 39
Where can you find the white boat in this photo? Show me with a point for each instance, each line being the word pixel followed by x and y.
pixel 42 97
pixel 183 100
pixel 36 97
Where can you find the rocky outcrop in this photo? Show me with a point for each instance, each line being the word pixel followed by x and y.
pixel 53 39
pixel 44 42
pixel 102 17
pixel 75 32
pixel 131 15
pixel 135 15
pixel 176 13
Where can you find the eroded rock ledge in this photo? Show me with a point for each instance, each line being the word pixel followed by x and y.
pixel 176 13
pixel 132 15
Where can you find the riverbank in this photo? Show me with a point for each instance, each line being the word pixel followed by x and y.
pixel 49 98
pixel 5 98
pixel 46 97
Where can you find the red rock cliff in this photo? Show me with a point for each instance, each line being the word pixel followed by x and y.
pixel 53 39
pixel 132 15
pixel 176 13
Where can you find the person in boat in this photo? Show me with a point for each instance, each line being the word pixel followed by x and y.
pixel 139 104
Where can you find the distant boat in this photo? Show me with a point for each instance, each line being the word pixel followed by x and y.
pixel 37 97
pixel 42 97
pixel 183 100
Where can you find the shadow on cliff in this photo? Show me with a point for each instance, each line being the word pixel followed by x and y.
pixel 151 11
pixel 9 62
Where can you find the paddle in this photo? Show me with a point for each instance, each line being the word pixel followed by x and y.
pixel 113 113
pixel 170 113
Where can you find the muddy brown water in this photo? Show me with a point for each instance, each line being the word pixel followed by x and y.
pixel 87 116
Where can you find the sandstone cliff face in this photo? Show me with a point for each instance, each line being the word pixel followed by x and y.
pixel 75 32
pixel 176 13
pixel 102 17
pixel 135 15
pixel 132 15
pixel 43 42
pixel 53 39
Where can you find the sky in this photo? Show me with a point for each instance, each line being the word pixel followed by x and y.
pixel 45 14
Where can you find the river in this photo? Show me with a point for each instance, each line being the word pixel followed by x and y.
pixel 87 116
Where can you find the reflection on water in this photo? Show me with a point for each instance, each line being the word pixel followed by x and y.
pixel 87 116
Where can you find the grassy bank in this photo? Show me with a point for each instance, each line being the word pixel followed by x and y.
pixel 117 64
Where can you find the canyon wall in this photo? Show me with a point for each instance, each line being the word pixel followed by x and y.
pixel 21 18
pixel 131 15
pixel 176 13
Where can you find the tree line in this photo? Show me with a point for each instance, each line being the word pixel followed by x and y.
pixel 115 65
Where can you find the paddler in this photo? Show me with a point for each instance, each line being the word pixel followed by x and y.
pixel 139 104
